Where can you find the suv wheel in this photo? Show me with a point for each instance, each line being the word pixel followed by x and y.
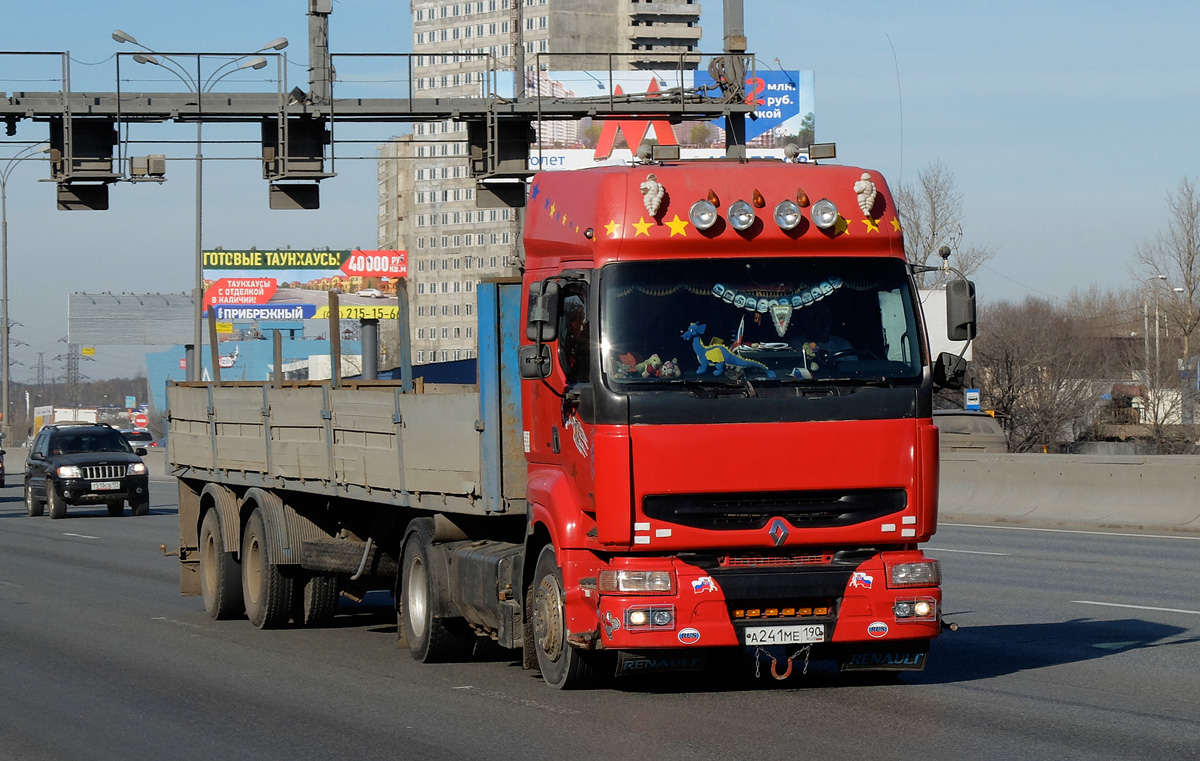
pixel 33 506
pixel 58 508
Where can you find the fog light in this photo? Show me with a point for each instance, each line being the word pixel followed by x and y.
pixel 824 214
pixel 741 215
pixel 703 215
pixel 662 618
pixel 637 618
pixel 922 609
pixel 903 609
pixel 787 215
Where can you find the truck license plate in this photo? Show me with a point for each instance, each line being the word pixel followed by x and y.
pixel 105 485
pixel 783 635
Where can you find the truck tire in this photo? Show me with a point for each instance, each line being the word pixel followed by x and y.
pixel 58 508
pixel 116 508
pixel 34 507
pixel 220 576
pixel 268 594
pixel 431 639
pixel 563 667
pixel 317 601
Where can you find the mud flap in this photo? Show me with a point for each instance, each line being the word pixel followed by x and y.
pixel 899 656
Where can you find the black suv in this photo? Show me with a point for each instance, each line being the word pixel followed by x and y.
pixel 85 465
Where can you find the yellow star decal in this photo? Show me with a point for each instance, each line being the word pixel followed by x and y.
pixel 552 210
pixel 642 227
pixel 896 225
pixel 612 227
pixel 564 219
pixel 678 226
pixel 872 225
pixel 841 226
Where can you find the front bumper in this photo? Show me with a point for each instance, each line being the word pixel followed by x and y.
pixel 826 605
pixel 82 491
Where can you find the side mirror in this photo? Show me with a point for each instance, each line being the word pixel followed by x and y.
pixel 533 361
pixel 542 324
pixel 140 451
pixel 949 371
pixel 36 456
pixel 960 310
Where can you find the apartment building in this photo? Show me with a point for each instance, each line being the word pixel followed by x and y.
pixel 426 196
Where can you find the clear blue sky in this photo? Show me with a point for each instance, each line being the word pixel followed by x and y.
pixel 1065 124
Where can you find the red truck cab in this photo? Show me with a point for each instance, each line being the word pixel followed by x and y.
pixel 727 404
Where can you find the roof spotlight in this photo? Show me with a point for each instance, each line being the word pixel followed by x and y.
pixel 787 215
pixel 741 215
pixel 824 214
pixel 703 215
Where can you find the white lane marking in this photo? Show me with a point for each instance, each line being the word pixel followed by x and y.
pixel 9 584
pixel 965 552
pixel 1072 531
pixel 1136 607
pixel 82 536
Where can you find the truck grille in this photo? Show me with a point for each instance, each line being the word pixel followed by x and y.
pixel 758 561
pixel 99 472
pixel 752 510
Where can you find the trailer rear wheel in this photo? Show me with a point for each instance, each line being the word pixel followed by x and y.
pixel 268 593
pixel 563 667
pixel 220 576
pixel 431 639
pixel 317 601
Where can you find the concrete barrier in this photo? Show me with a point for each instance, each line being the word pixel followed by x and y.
pixel 1145 491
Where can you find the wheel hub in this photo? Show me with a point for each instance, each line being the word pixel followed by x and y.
pixel 548 617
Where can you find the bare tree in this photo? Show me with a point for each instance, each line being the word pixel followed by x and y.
pixel 1034 365
pixel 1172 263
pixel 931 214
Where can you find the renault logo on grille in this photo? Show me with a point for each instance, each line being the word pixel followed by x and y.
pixel 778 532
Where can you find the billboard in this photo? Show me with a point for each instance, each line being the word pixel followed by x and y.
pixel 249 284
pixel 783 101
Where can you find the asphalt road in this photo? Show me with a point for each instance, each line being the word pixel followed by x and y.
pixel 101 659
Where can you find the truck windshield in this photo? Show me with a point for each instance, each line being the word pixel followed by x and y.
pixel 810 320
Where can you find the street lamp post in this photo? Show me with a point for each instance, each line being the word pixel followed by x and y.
pixel 24 155
pixel 199 87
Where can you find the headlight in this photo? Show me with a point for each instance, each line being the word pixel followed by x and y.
pixel 741 215
pixel 136 469
pixel 787 215
pixel 824 214
pixel 703 215
pixel 69 471
pixel 637 582
pixel 923 574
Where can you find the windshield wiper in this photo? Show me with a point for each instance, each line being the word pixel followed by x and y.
pixel 711 388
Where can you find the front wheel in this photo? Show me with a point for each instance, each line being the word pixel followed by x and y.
pixel 563 667
pixel 58 506
pixel 34 507
pixel 142 507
